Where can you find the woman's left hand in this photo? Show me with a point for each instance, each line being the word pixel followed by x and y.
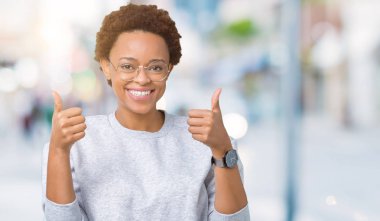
pixel 207 127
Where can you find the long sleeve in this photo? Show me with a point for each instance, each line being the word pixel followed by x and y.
pixel 122 174
pixel 214 215
pixel 60 212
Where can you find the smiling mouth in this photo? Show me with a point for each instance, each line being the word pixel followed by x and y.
pixel 140 93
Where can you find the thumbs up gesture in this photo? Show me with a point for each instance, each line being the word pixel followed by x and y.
pixel 67 125
pixel 207 127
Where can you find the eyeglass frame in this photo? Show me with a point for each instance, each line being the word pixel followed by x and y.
pixel 138 71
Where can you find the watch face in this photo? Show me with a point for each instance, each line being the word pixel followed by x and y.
pixel 231 158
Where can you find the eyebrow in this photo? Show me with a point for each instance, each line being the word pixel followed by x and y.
pixel 134 59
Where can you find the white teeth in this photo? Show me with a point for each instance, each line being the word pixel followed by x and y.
pixel 139 93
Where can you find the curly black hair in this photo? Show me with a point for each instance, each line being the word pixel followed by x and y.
pixel 138 17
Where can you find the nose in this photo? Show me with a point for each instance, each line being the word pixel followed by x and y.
pixel 141 77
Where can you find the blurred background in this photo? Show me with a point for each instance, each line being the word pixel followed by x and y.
pixel 301 94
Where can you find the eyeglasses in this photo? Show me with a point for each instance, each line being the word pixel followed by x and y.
pixel 156 71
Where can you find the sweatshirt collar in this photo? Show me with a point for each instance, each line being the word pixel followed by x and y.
pixel 125 132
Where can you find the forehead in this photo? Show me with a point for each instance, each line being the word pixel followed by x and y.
pixel 143 46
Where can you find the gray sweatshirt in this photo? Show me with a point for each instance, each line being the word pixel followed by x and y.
pixel 123 174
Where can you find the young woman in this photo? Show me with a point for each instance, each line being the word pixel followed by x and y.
pixel 140 163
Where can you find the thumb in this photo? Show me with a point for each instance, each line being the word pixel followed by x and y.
pixel 57 102
pixel 215 100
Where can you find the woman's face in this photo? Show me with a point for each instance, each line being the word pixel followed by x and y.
pixel 137 48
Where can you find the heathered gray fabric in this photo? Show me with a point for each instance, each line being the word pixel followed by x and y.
pixel 122 174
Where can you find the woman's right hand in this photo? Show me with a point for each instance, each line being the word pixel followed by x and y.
pixel 68 126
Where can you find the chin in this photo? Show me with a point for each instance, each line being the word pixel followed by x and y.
pixel 140 109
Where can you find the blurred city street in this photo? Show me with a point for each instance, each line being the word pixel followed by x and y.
pixel 338 173
pixel 339 177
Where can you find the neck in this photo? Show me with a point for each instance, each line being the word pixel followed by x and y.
pixel 151 122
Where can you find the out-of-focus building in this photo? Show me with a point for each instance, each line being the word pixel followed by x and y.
pixel 340 65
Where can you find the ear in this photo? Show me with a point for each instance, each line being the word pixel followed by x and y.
pixel 105 67
pixel 170 68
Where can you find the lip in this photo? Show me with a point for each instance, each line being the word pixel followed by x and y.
pixel 140 89
pixel 140 98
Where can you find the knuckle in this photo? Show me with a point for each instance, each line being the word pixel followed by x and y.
pixel 63 123
pixel 191 130
pixel 79 135
pixel 64 132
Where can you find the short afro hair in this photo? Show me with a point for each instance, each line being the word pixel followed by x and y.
pixel 133 17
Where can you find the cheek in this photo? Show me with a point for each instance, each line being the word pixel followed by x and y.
pixel 161 91
pixel 117 87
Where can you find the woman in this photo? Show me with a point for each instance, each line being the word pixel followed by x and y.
pixel 140 163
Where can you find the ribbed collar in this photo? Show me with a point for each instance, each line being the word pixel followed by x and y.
pixel 125 132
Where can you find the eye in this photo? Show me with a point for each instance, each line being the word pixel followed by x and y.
pixel 155 68
pixel 127 67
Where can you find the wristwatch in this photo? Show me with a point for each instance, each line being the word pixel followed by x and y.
pixel 229 159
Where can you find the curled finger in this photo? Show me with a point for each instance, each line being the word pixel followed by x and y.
pixel 77 128
pixel 196 130
pixel 196 113
pixel 199 137
pixel 76 120
pixel 78 136
pixel 191 121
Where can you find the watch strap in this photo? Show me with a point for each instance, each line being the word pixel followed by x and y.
pixel 218 162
